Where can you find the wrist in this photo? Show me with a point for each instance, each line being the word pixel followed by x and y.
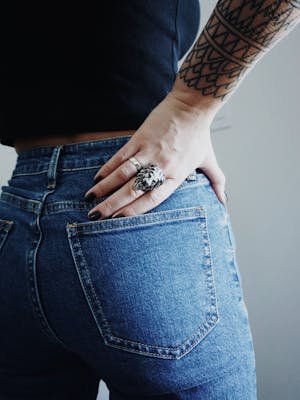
pixel 184 116
pixel 194 101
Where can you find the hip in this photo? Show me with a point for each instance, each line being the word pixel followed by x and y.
pixel 160 286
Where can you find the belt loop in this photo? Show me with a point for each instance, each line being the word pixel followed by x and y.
pixel 52 170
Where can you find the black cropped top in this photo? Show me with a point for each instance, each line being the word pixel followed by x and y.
pixel 91 70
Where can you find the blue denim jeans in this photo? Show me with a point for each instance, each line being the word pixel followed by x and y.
pixel 151 304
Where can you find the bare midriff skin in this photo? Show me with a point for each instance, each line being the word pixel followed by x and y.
pixel 27 143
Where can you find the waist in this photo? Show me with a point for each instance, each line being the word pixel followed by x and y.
pixel 83 155
pixel 71 165
pixel 23 144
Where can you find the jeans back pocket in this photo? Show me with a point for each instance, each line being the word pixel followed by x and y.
pixel 148 279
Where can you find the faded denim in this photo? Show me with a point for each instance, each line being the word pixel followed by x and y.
pixel 152 304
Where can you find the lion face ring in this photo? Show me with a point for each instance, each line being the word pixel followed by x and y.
pixel 148 177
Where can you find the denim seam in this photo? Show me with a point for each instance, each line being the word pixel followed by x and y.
pixel 69 205
pixel 211 260
pixel 35 205
pixel 80 168
pixel 137 220
pixel 83 285
pixel 52 169
pixel 33 285
pixel 173 351
pixel 5 227
pixel 24 170
pixel 20 202
pixel 59 170
pixel 30 173
pixel 44 171
pixel 130 226
pixel 63 170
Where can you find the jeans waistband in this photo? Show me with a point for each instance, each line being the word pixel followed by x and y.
pixel 69 157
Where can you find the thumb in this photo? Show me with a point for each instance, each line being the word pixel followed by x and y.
pixel 216 176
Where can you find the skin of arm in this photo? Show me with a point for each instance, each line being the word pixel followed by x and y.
pixel 236 36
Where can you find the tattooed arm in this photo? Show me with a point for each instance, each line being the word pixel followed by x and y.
pixel 237 35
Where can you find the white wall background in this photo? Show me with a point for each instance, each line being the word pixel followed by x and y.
pixel 259 154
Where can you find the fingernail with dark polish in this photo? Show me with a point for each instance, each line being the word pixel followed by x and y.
pixel 90 197
pixel 119 215
pixel 94 215
pixel 98 179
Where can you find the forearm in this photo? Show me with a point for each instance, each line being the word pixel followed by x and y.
pixel 237 35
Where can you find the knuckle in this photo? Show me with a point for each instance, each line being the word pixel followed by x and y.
pixel 133 193
pixel 106 208
pixel 166 164
pixel 121 156
pixel 129 211
pixel 104 170
pixel 154 197
pixel 97 190
pixel 123 173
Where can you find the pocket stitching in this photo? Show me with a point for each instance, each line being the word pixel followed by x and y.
pixel 83 263
pixel 185 346
pixel 133 221
pixel 120 228
pixel 67 205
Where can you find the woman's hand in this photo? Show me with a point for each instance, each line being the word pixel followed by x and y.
pixel 174 136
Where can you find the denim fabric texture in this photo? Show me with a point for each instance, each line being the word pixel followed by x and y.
pixel 151 303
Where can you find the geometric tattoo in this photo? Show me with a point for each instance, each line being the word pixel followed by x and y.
pixel 237 34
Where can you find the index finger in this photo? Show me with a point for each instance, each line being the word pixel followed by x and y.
pixel 124 153
pixel 113 181
pixel 150 199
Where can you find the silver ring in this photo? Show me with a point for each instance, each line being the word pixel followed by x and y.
pixel 136 163
pixel 148 178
